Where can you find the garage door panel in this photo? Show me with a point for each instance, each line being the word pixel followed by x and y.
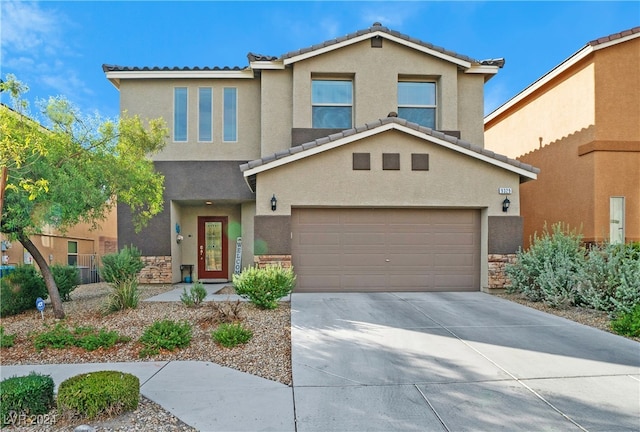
pixel 386 249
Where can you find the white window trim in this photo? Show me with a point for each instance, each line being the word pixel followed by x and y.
pixel 223 111
pixel 435 106
pixel 173 135
pixel 200 140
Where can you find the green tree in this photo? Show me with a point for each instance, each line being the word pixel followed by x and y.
pixel 73 171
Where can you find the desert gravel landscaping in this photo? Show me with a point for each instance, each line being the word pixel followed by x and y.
pixel 267 355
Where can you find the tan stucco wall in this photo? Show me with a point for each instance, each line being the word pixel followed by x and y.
pixel 471 106
pixel 327 179
pixel 560 110
pixel 154 98
pixel 618 92
pixel 53 244
pixel 276 111
pixel 375 72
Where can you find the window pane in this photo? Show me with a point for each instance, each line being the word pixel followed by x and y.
pixel 423 116
pixel 72 247
pixel 180 114
pixel 416 93
pixel 332 92
pixel 331 117
pixel 230 120
pixel 72 260
pixel 205 111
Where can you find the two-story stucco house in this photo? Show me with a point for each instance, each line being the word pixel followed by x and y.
pixel 359 160
pixel 580 124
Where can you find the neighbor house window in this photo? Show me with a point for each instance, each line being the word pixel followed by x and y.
pixel 180 114
pixel 230 115
pixel 332 103
pixel 417 102
pixel 72 253
pixel 205 114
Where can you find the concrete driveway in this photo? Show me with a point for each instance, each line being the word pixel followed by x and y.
pixel 455 362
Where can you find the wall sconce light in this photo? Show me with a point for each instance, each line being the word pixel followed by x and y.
pixel 179 239
pixel 505 204
pixel 274 202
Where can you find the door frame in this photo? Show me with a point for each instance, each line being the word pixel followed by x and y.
pixel 617 224
pixel 224 273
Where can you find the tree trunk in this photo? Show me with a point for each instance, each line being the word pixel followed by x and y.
pixel 52 288
pixel 3 186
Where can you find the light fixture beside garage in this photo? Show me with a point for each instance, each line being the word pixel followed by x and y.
pixel 274 202
pixel 505 204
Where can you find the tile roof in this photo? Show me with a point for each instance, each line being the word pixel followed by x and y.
pixel 371 126
pixel 377 27
pixel 116 68
pixel 614 36
pixel 252 57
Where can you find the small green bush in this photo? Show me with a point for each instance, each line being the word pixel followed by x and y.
pixel 125 295
pixel 6 340
pixel 20 289
pixel 165 334
pixel 628 323
pixel 230 335
pixel 264 286
pixel 67 279
pixel 98 394
pixel 60 337
pixel 121 266
pixel 195 296
pixel 551 269
pixel 29 395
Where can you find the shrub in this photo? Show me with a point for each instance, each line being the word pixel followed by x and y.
pixel 166 334
pixel 227 312
pixel 195 296
pixel 98 394
pixel 6 340
pixel 67 279
pixel 230 335
pixel 121 266
pixel 20 289
pixel 551 269
pixel 29 395
pixel 628 323
pixel 89 338
pixel 264 286
pixel 612 278
pixel 125 295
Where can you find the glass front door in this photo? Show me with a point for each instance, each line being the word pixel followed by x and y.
pixel 212 248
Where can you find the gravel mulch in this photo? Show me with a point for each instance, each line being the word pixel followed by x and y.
pixel 267 354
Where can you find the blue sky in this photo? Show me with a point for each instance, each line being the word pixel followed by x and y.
pixel 58 48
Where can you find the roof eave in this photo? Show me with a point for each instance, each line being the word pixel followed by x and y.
pixel 188 74
pixel 350 41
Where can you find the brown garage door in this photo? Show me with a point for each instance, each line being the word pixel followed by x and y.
pixel 386 249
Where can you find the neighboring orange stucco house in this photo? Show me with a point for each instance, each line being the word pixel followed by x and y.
pixel 80 246
pixel 580 124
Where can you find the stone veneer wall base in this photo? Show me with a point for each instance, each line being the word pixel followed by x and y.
pixel 263 261
pixel 498 280
pixel 157 270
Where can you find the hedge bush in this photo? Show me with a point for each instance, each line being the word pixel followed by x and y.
pixel 20 289
pixel 6 340
pixel 264 286
pixel 229 335
pixel 67 279
pixel 628 323
pixel 98 394
pixel 165 334
pixel 29 395
pixel 89 338
pixel 194 296
pixel 121 266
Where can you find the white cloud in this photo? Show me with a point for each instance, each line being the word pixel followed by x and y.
pixel 26 28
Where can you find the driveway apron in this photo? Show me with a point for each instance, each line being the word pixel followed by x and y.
pixel 455 362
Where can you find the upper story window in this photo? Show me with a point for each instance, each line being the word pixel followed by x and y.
pixel 180 96
pixel 332 103
pixel 205 114
pixel 230 114
pixel 417 102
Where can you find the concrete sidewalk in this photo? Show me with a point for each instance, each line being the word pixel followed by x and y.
pixel 204 395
